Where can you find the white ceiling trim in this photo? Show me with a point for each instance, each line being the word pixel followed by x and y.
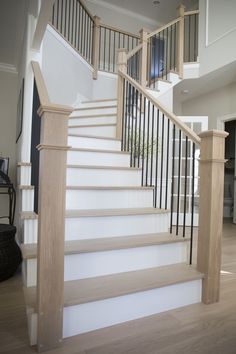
pixel 126 12
pixel 8 68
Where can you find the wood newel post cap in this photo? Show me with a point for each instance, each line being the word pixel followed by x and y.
pixel 143 34
pixel 212 145
pixel 54 108
pixel 97 20
pixel 180 10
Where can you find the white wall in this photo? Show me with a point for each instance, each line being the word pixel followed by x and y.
pixel 105 86
pixel 217 34
pixel 128 21
pixel 66 74
pixel 214 104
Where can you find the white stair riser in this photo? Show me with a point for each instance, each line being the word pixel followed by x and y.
pixel 30 230
pixel 107 131
pixel 93 143
pixel 102 177
pixel 97 158
pixel 93 111
pixel 107 226
pixel 89 265
pixel 98 104
pixel 106 199
pixel 104 313
pixel 100 314
pixel 93 120
pixel 163 86
pixel 24 175
pixel 174 78
pixel 27 200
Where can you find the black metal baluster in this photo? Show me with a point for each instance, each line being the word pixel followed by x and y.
pixel 57 15
pixel 179 180
pixel 157 152
pixel 171 46
pixel 69 22
pixel 139 133
pixel 109 50
pixel 82 31
pixel 167 161
pixel 123 115
pixel 53 14
pixel 129 105
pixel 162 157
pixel 65 19
pixel 126 114
pixel 192 204
pixel 195 38
pixel 144 118
pixel 172 181
pixel 79 30
pixel 147 157
pixel 76 25
pixel 136 124
pixel 189 38
pixel 155 53
pixel 132 129
pixel 100 48
pixel 166 45
pixel 114 51
pixel 185 184
pixel 104 57
pixel 152 146
pixel 175 45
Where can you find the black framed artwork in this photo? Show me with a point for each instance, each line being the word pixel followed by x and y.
pixel 19 117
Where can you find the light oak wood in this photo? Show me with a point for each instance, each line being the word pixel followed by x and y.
pixel 93 125
pixel 41 87
pixel 180 45
pixel 114 212
pixel 134 51
pixel 195 328
pixel 121 66
pixel 105 287
pixel 162 28
pixel 28 215
pixel 102 100
pixel 211 212
pixel 29 251
pixel 101 151
pixel 193 12
pixel 93 137
pixel 174 119
pixel 144 56
pixel 26 187
pixel 115 29
pixel 24 164
pixel 93 116
pixel 51 224
pixel 96 45
pixel 94 108
pixel 100 167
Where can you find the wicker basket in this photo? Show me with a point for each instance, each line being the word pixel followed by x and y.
pixel 10 254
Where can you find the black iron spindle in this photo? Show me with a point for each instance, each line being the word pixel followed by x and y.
pixel 167 161
pixel 132 129
pixel 172 181
pixel 192 204
pixel 179 180
pixel 185 185
pixel 156 172
pixel 136 125
pixel 147 157
pixel 139 131
pixel 143 147
pixel 162 157
pixel 152 146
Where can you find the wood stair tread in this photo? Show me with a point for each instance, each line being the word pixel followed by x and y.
pixel 29 251
pixel 107 188
pixel 100 150
pixel 92 108
pixel 104 287
pixel 93 125
pixel 93 137
pixel 105 167
pixel 100 100
pixel 95 116
pixel 113 212
pixel 28 215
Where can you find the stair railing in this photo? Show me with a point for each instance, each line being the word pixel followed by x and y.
pixel 51 216
pixel 168 153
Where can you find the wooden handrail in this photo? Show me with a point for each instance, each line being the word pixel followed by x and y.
pixel 163 27
pixel 134 51
pixel 120 31
pixel 193 12
pixel 41 87
pixel 175 120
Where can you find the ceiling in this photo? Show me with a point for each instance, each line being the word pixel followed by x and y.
pixel 12 24
pixel 207 83
pixel 163 12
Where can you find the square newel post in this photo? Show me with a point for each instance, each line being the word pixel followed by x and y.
pixel 211 212
pixel 96 46
pixel 51 228
pixel 122 66
pixel 144 57
pixel 180 43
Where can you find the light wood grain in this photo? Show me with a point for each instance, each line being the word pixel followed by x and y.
pixel 160 29
pixel 144 56
pixel 114 212
pixel 101 151
pixel 93 137
pixel 211 212
pixel 121 66
pixel 180 41
pixel 41 87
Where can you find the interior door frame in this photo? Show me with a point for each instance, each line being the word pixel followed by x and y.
pixel 221 126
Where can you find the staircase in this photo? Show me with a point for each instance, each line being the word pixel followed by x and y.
pixel 121 262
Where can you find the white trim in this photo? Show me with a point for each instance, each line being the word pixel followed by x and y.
pixel 60 39
pixel 223 119
pixel 107 74
pixel 126 12
pixel 208 44
pixel 8 68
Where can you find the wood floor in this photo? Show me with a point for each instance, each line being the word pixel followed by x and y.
pixel 197 328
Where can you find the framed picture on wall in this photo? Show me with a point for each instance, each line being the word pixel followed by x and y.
pixel 19 118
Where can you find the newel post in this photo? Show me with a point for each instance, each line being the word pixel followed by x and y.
pixel 51 228
pixel 96 45
pixel 144 56
pixel 211 212
pixel 180 44
pixel 122 66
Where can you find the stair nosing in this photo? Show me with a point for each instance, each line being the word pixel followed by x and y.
pixel 100 151
pixel 101 100
pixel 72 247
pixel 94 116
pixel 88 290
pixel 93 137
pixel 98 107
pixel 76 213
pixel 109 188
pixel 102 167
pixel 92 125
